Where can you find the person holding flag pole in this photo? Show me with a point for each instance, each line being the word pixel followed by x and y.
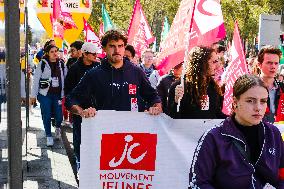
pixel 192 34
pixel 201 95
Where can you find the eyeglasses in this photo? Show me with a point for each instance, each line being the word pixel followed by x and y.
pixel 73 50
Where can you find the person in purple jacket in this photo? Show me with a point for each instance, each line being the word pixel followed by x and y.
pixel 243 152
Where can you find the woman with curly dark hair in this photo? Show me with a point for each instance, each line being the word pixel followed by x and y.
pixel 201 97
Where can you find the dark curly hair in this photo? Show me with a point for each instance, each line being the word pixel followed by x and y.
pixel 113 35
pixel 197 77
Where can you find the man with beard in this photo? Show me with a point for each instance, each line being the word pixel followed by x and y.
pixel 115 85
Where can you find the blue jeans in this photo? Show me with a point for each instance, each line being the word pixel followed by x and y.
pixel 47 104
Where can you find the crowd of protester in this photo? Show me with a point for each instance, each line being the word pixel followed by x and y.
pixel 122 81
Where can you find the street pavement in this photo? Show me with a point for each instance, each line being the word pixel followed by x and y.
pixel 43 167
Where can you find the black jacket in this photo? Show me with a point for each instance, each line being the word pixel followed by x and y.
pixel 75 73
pixel 108 88
pixel 71 61
pixel 190 110
pixel 163 88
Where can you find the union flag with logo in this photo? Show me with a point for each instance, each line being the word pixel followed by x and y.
pixel 135 151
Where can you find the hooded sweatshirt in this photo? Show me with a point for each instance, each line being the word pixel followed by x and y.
pixel 108 88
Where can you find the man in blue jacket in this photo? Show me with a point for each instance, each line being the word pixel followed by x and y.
pixel 115 85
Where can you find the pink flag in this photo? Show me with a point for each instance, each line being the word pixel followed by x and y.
pixel 56 9
pixel 102 32
pixel 205 21
pixel 67 19
pixel 139 32
pixel 236 68
pixel 58 30
pixel 61 13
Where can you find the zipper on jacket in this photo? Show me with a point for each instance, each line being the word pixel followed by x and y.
pixel 252 176
pixel 262 144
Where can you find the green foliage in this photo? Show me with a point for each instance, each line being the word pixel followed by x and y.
pixel 247 13
pixel 120 12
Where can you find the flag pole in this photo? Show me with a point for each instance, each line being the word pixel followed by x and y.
pixel 27 80
pixel 186 54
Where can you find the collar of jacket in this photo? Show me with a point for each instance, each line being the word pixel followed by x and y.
pixel 230 129
pixel 105 63
pixel 80 61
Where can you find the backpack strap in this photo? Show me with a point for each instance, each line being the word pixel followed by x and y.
pixel 45 62
pixel 42 66
pixel 62 66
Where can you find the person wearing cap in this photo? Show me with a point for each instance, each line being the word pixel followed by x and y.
pixel 48 84
pixel 73 77
pixel 115 85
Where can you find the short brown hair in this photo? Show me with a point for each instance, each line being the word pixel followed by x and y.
pixel 245 82
pixel 268 50
pixel 113 35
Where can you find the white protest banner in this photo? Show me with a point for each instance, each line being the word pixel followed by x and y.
pixel 134 150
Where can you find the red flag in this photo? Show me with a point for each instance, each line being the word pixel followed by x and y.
pixel 208 23
pixel 90 36
pixel 172 49
pixel 139 32
pixel 205 21
pixel 236 68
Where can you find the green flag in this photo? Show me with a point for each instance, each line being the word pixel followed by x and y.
pixel 65 47
pixel 282 50
pixel 165 30
pixel 108 25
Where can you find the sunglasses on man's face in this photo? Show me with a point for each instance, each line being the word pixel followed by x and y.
pixel 94 54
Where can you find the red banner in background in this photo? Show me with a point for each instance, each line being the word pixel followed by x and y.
pixel 172 49
pixel 139 32
pixel 207 28
pixel 208 23
pixel 236 68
